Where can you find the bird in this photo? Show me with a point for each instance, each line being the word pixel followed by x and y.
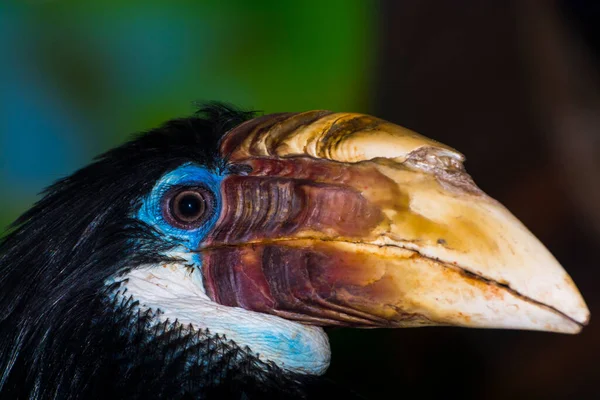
pixel 203 258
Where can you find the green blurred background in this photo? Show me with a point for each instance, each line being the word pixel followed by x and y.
pixel 514 85
pixel 80 77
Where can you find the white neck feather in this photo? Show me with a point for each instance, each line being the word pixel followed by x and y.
pixel 179 294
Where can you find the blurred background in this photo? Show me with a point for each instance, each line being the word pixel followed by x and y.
pixel 512 84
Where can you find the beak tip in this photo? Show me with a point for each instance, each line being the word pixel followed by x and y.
pixel 584 319
pixel 573 328
pixel 551 320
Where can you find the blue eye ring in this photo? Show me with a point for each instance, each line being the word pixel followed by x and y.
pixel 188 207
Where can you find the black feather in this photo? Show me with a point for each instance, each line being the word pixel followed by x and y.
pixel 65 334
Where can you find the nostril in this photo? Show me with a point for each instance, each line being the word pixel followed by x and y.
pixel 239 169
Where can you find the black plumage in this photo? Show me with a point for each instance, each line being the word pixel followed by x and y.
pixel 64 333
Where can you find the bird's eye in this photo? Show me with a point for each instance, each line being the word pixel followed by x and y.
pixel 188 208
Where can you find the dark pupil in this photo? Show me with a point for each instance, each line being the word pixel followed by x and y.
pixel 190 206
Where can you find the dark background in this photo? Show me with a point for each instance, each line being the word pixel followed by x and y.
pixel 514 85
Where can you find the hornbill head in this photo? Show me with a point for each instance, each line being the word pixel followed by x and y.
pixel 261 231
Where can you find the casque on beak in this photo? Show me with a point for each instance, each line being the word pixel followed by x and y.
pixel 346 219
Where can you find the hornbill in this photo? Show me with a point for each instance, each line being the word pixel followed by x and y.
pixel 204 258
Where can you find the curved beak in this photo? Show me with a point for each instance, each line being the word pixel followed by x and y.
pixel 345 219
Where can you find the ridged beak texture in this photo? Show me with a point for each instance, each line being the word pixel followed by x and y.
pixel 346 219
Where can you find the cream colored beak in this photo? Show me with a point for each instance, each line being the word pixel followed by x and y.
pixel 428 248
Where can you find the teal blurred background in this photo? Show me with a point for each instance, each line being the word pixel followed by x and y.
pixel 512 84
pixel 80 77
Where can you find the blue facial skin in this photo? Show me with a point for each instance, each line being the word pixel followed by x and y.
pixel 291 346
pixel 187 175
